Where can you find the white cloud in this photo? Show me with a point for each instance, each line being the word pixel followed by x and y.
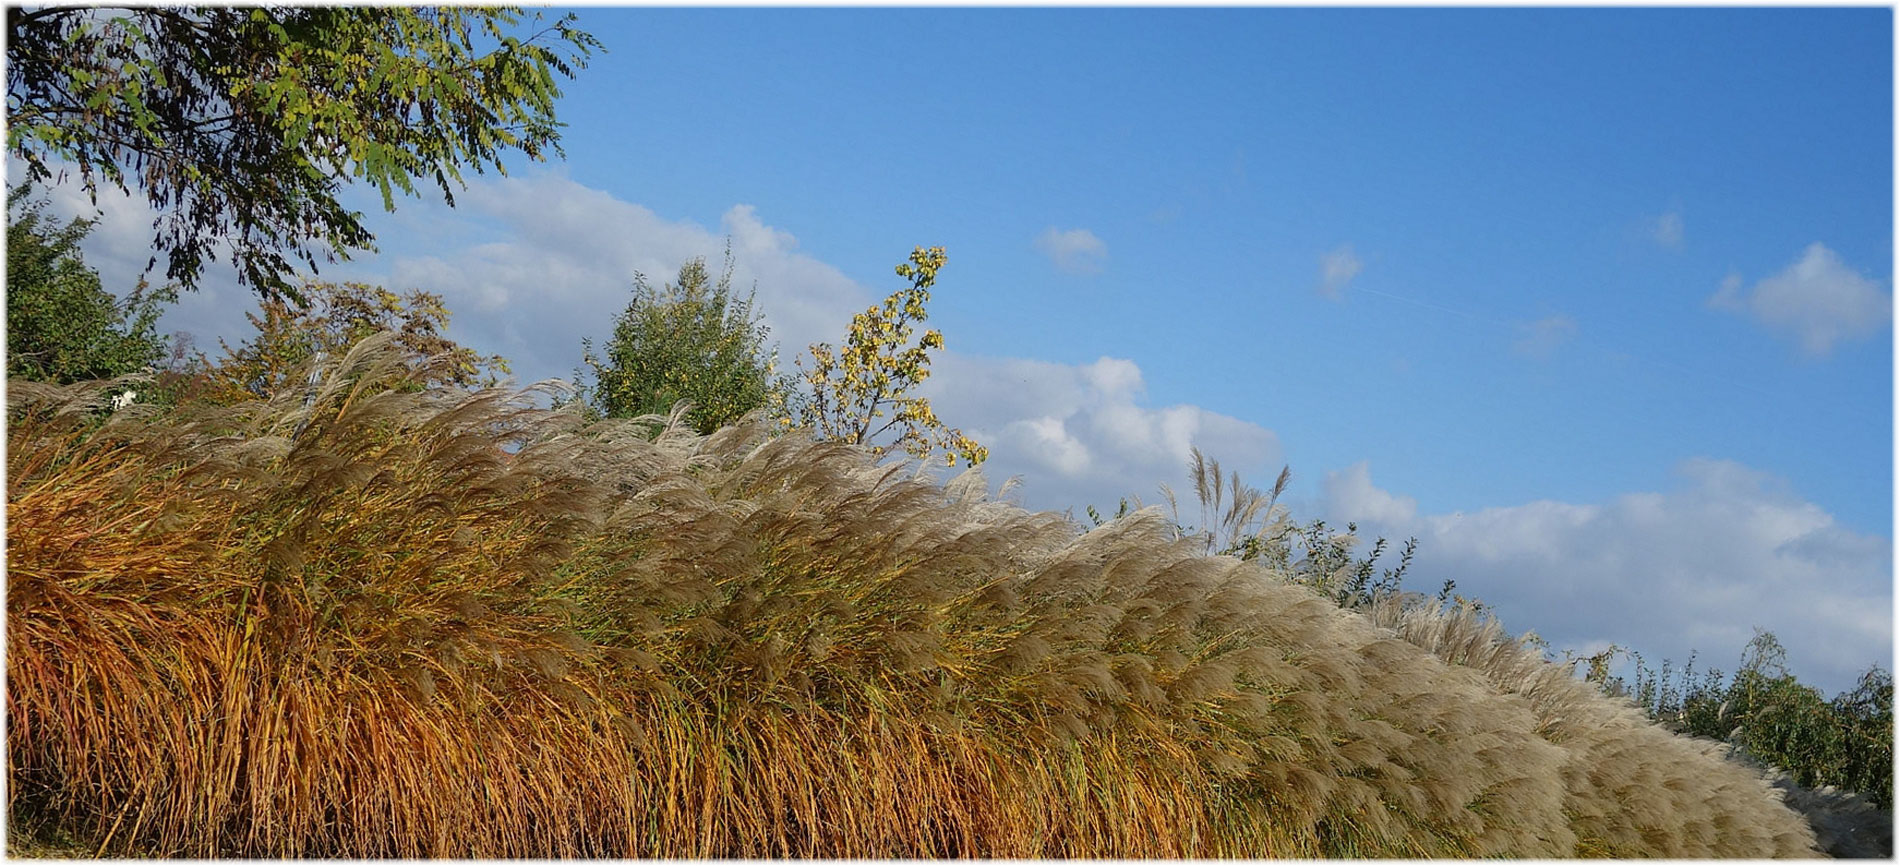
pixel 1336 270
pixel 1696 567
pixel 1351 492
pixel 1541 339
pixel 563 264
pixel 123 236
pixel 1078 434
pixel 119 248
pixel 1818 301
pixel 1667 230
pixel 1077 251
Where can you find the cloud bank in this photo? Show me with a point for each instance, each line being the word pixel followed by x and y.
pixel 1079 435
pixel 119 248
pixel 1696 567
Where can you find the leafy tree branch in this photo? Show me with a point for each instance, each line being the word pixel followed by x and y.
pixel 872 376
pixel 241 126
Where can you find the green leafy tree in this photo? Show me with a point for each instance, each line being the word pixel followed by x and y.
pixel 1785 723
pixel 62 325
pixel 241 125
pixel 687 340
pixel 862 393
pixel 337 317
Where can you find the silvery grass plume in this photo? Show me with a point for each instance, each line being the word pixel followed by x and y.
pixel 1633 787
pixel 392 621
pixel 1845 824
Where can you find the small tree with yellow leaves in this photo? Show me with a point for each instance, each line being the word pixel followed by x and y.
pixel 861 393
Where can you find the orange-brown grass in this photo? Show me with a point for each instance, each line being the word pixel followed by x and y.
pixel 398 622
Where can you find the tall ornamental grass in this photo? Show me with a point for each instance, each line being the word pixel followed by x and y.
pixel 1633 788
pixel 1613 738
pixel 373 620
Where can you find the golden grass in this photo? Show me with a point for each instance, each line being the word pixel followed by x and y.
pixel 368 629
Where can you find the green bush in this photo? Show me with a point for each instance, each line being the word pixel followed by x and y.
pixel 1775 719
pixel 687 340
pixel 62 325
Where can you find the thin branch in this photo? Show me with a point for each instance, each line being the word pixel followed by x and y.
pixel 48 12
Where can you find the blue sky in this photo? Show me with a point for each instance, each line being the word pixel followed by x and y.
pixel 1595 302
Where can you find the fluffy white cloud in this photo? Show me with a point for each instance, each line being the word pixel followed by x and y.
pixel 1078 434
pixel 1540 339
pixel 1336 270
pixel 122 238
pixel 563 261
pixel 1819 301
pixel 1350 492
pixel 1667 230
pixel 1697 567
pixel 1077 251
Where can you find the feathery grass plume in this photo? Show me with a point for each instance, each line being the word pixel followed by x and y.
pixel 1635 788
pixel 1235 518
pixel 1845 824
pixel 390 622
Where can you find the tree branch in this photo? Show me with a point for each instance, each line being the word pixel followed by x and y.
pixel 48 12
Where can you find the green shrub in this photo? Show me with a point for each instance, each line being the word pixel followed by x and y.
pixel 1777 720
pixel 691 340
pixel 62 325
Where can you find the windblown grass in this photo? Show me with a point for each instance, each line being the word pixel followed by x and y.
pixel 392 622
pixel 1845 825
pixel 1676 797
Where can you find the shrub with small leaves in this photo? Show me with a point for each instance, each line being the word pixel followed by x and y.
pixel 687 340
pixel 62 324
pixel 1770 715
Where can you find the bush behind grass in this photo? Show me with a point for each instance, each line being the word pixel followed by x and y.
pixel 383 621
pixel 1834 759
pixel 1775 719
